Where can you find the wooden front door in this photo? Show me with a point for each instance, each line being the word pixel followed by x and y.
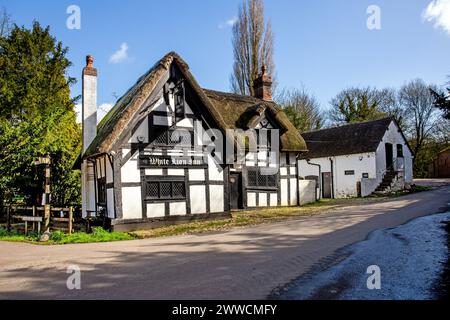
pixel 326 185
pixel 235 191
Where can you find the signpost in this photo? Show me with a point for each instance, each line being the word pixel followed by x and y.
pixel 46 199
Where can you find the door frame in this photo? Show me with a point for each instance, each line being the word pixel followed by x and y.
pixel 389 160
pixel 240 189
pixel 327 184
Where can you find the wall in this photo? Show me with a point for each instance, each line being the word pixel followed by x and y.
pixel 286 193
pixel 307 189
pixel 440 168
pixel 205 185
pixel 344 185
pixel 393 135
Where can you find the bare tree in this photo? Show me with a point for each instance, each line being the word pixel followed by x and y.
pixel 5 22
pixel 252 47
pixel 417 99
pixel 389 104
pixel 302 108
pixel 356 105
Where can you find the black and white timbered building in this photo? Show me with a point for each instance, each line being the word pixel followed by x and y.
pixel 162 154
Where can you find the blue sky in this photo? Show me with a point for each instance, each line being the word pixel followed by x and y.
pixel 322 45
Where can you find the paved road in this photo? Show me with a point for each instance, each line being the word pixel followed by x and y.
pixel 245 263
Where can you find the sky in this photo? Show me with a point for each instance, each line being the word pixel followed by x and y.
pixel 322 45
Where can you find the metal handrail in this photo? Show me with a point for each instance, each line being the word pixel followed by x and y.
pixel 393 167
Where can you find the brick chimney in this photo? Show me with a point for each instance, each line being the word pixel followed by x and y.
pixel 89 102
pixel 89 117
pixel 262 86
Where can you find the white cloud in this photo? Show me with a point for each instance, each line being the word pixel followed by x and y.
pixel 229 23
pixel 438 11
pixel 102 110
pixel 120 55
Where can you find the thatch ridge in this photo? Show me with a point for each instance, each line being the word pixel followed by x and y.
pixel 225 108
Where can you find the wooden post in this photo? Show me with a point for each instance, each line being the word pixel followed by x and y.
pixel 26 227
pixel 46 216
pixel 70 219
pixel 8 218
pixel 34 215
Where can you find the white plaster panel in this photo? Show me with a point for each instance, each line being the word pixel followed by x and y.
pixel 162 121
pixel 216 194
pixel 196 175
pixel 251 199
pixel 155 210
pixel 131 203
pixel 177 208
pixel 153 172
pixel 215 171
pixel 293 188
pixel 198 199
pixel 273 199
pixel 175 172
pixel 130 172
pixel 186 123
pixel 109 172
pixel 141 131
pixel 284 192
pixel 110 202
pixel 262 201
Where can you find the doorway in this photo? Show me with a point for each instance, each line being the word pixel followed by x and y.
pixel 236 191
pixel 326 185
pixel 389 156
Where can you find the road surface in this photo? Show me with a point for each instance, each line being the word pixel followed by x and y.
pixel 243 263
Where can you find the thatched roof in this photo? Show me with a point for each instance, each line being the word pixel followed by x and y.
pixel 242 112
pixel 225 108
pixel 347 139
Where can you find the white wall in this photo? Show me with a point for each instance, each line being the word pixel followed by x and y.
pixel 344 185
pixel 307 190
pixel 394 136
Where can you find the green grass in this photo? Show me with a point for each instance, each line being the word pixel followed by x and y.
pixel 238 219
pixel 58 237
pixel 253 217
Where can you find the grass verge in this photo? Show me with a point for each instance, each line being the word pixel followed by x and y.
pixel 58 237
pixel 254 217
pixel 239 219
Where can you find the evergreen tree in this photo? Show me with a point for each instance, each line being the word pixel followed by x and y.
pixel 37 116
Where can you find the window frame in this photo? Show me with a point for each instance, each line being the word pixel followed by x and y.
pixel 265 186
pixel 159 180
pixel 101 191
pixel 400 154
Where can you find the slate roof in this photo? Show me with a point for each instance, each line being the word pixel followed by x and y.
pixel 347 139
pixel 227 109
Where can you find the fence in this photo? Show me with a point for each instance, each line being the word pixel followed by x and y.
pixel 40 218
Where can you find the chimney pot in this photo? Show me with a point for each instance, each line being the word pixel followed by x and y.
pixel 262 86
pixel 89 62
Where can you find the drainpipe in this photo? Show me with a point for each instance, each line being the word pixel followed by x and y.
pixel 320 176
pixel 297 169
pixel 332 177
